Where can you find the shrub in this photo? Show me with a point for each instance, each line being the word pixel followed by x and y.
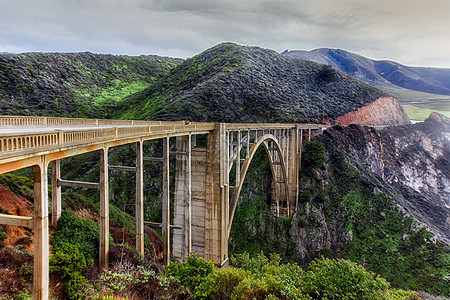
pixel 254 264
pixel 263 278
pixel 257 278
pixel 70 262
pixel 327 73
pixel 19 185
pixel 221 283
pixel 83 233
pixel 118 253
pixel 343 279
pixel 16 271
pixel 126 280
pixel 192 272
pixel 313 154
pixel 3 235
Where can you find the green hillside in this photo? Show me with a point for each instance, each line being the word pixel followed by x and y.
pixel 74 84
pixel 233 83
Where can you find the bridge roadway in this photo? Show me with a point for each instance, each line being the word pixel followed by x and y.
pixel 206 191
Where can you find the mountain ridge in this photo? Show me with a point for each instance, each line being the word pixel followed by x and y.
pixel 233 83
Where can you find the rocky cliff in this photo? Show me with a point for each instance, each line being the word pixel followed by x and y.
pixel 409 163
pixel 383 111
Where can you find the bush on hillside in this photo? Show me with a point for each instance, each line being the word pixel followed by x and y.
pixel 313 154
pixel 83 233
pixel 192 272
pixel 263 278
pixel 70 262
pixel 138 282
pixel 16 271
pixel 342 279
pixel 327 73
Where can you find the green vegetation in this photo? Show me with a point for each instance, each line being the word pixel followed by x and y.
pixel 83 233
pixel 69 262
pixel 16 272
pixel 313 154
pixel 421 111
pixel 118 91
pixel 19 185
pixel 394 246
pixel 374 232
pixel 190 273
pixel 260 277
pixel 406 95
pixel 3 235
pixel 327 73
pixel 232 83
pixel 383 239
pixel 75 84
pixel 254 227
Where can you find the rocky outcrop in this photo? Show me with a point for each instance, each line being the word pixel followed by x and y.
pixel 19 206
pixel 409 163
pixel 383 111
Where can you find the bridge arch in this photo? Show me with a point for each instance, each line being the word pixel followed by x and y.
pixel 276 148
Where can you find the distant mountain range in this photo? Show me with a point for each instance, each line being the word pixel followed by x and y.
pixel 404 82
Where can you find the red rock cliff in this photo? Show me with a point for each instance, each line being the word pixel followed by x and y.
pixel 383 111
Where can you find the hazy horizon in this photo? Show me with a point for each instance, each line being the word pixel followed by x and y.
pixel 413 32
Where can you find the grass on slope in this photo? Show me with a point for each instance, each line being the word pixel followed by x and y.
pixel 118 91
pixel 421 111
pixel 405 95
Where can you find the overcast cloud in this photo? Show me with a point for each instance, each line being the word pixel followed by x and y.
pixel 412 32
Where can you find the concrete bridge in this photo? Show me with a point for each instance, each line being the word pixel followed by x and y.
pixel 204 198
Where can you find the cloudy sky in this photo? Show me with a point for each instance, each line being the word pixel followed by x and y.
pixel 412 32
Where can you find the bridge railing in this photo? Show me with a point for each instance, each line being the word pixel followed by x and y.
pixel 54 121
pixel 58 138
pixel 262 126
pixel 23 141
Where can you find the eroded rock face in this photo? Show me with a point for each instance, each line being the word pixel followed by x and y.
pixel 410 163
pixel 382 111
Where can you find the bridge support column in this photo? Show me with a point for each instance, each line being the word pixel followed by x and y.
pixel 182 219
pixel 56 192
pixel 217 197
pixel 299 162
pixel 139 199
pixel 104 210
pixel 202 222
pixel 166 202
pixel 41 233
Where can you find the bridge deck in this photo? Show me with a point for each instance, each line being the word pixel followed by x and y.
pixel 22 138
